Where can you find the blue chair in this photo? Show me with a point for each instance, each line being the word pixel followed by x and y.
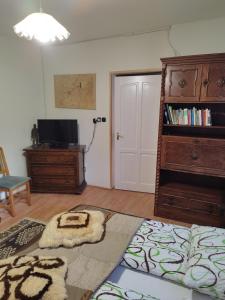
pixel 9 184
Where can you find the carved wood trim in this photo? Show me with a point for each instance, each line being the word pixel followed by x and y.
pixel 193 59
pixel 158 161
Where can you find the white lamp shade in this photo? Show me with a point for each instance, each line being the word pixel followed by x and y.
pixel 42 27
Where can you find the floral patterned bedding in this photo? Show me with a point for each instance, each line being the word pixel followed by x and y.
pixel 160 249
pixel 110 291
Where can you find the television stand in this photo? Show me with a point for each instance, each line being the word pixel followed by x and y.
pixel 56 170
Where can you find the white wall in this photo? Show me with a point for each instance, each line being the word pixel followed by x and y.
pixel 21 98
pixel 199 37
pixel 100 57
pixel 124 53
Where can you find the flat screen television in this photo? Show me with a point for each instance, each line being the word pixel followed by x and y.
pixel 58 132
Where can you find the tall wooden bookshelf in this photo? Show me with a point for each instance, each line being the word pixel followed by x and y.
pixel 190 179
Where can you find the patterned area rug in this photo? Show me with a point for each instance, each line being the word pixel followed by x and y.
pixel 20 237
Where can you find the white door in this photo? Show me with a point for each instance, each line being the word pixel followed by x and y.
pixel 135 131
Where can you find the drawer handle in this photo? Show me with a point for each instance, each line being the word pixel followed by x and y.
pixel 210 209
pixel 170 201
pixel 182 83
pixel 222 210
pixel 205 82
pixel 194 156
pixel 221 82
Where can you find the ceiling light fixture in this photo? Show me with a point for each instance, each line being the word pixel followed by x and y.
pixel 42 27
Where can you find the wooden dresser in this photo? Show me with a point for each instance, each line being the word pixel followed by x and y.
pixel 56 170
pixel 190 180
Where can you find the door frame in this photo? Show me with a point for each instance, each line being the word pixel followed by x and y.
pixel 112 75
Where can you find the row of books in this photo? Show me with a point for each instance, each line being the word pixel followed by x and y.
pixel 187 116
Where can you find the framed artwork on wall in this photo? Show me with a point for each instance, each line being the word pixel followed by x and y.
pixel 75 91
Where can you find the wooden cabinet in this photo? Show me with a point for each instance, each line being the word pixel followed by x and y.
pixel 213 82
pixel 183 83
pixel 190 179
pixel 202 79
pixel 56 170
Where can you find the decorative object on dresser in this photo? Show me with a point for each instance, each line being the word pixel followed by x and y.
pixel 10 184
pixel 56 170
pixel 190 179
pixel 34 135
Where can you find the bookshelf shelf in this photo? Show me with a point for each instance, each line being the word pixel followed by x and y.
pixel 214 131
pixel 192 172
pixel 189 103
pixel 191 116
pixel 194 126
pixel 215 112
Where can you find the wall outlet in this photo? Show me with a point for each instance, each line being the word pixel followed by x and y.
pixel 99 120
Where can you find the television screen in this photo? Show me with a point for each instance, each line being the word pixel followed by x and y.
pixel 58 131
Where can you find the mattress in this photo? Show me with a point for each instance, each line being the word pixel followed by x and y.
pixel 148 284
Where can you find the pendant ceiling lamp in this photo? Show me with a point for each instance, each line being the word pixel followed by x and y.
pixel 42 27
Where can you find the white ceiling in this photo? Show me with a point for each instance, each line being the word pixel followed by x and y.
pixel 94 19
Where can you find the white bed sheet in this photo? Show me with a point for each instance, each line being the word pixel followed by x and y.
pixel 155 286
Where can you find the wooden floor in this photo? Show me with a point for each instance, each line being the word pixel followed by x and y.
pixel 44 206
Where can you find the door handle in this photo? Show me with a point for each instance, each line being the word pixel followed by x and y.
pixel 118 136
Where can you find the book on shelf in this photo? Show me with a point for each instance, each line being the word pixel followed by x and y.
pixel 187 116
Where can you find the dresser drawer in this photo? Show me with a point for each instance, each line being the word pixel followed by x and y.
pixel 189 204
pixel 200 155
pixel 53 158
pixel 52 170
pixel 69 181
pixel 53 188
pixel 56 170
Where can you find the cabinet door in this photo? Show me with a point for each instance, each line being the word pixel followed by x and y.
pixel 183 83
pixel 213 82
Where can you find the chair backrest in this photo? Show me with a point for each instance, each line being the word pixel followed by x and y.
pixel 3 165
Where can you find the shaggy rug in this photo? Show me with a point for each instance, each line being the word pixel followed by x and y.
pixel 20 237
pixel 33 278
pixel 73 228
